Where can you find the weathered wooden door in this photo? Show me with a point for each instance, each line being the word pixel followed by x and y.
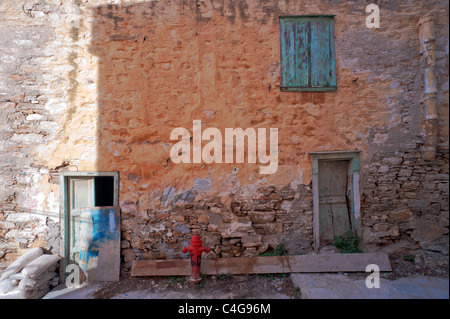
pixel 334 218
pixel 94 232
pixel 100 243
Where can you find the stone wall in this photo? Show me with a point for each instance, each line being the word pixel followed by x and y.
pixel 28 73
pixel 408 202
pixel 230 226
pixel 99 85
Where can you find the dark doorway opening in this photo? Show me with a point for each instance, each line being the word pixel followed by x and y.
pixel 104 190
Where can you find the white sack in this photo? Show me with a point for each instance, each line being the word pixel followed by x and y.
pixel 40 265
pixel 31 284
pixel 7 285
pixel 25 294
pixel 21 262
pixel 18 276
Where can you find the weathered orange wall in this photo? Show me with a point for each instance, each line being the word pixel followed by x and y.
pixel 164 65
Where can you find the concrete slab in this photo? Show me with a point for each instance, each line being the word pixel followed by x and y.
pixel 338 286
pixel 83 291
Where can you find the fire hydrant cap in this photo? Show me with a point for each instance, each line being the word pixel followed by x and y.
pixel 196 240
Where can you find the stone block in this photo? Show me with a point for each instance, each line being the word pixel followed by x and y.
pixel 262 217
pixel 410 185
pixel 128 207
pixel 401 215
pixel 182 229
pixel 392 160
pixel 203 218
pixel 251 241
pixel 381 227
pixel 128 255
pixel 394 231
pixel 418 204
pixel 427 230
pixel 237 229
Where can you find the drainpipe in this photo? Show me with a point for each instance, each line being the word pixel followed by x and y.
pixel 429 101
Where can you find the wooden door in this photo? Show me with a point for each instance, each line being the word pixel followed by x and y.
pixel 100 243
pixel 334 219
pixel 94 232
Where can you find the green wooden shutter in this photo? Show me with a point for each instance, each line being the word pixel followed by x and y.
pixel 287 54
pixel 307 53
pixel 322 53
pixel 294 52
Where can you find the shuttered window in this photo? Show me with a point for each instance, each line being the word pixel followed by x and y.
pixel 307 53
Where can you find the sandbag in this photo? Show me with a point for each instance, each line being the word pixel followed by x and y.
pixel 16 278
pixel 19 276
pixel 14 282
pixel 40 265
pixel 14 294
pixel 21 262
pixel 31 284
pixel 18 293
pixel 7 285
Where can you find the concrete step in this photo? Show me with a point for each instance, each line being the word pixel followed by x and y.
pixel 338 286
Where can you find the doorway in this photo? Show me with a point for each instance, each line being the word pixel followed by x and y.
pixel 334 217
pixel 86 197
pixel 336 195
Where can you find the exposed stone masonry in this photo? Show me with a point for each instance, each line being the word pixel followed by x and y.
pixel 406 201
pixel 231 227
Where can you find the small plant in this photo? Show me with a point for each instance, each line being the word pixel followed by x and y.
pixel 297 292
pixel 279 251
pixel 174 281
pixel 224 276
pixel 201 283
pixel 348 243
pixel 408 258
pixel 272 276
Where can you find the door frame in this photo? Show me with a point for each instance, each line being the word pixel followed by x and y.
pixel 64 211
pixel 354 176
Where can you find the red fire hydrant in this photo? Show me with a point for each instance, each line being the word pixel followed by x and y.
pixel 196 250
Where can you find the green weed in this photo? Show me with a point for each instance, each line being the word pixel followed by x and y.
pixel 279 251
pixel 224 276
pixel 174 281
pixel 348 243
pixel 297 292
